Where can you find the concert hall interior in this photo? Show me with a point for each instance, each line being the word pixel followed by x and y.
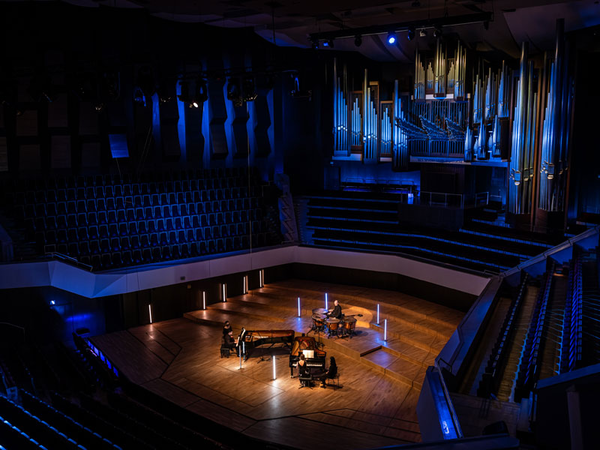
pixel 395 204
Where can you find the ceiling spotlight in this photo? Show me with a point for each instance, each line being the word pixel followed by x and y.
pixel 99 107
pixel 391 38
pixel 328 43
pixel 358 40
pixel 437 33
pixel 423 33
pixel 410 35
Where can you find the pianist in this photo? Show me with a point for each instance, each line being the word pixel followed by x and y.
pixel 228 341
pixel 226 328
pixel 336 312
pixel 328 374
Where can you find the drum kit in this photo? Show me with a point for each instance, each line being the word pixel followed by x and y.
pixel 344 327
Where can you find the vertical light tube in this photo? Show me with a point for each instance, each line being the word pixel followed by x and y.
pixel 245 287
pixel 385 330
pixel 150 311
pixel 299 307
pixel 377 313
pixel 241 350
pixel 203 299
pixel 325 300
pixel 261 278
pixel 224 292
pixel 274 368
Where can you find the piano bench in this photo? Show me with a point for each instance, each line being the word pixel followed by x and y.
pixel 306 382
pixel 333 382
pixel 226 352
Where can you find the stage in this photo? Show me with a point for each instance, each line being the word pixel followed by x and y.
pixel 380 380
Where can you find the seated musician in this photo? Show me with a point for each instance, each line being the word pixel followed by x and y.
pixel 336 312
pixel 303 370
pixel 329 374
pixel 228 341
pixel 226 328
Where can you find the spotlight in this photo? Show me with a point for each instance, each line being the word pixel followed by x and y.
pixel 234 93
pixel 249 89
pixel 99 107
pixel 328 43
pixel 138 97
pixel 358 40
pixel 314 43
pixel 410 35
pixel 422 33
pixel 437 33
pixel 391 38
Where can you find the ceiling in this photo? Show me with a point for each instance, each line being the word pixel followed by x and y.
pixel 290 22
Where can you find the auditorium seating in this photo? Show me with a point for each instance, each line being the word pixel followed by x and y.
pixel 109 222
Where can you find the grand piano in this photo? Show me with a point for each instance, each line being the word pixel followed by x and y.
pixel 315 358
pixel 248 340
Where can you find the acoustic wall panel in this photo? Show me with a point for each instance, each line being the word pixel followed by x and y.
pixel 88 119
pixel 217 117
pixel 29 157
pixel 90 154
pixel 58 113
pixel 60 151
pixel 3 154
pixel 118 145
pixel 263 122
pixel 27 123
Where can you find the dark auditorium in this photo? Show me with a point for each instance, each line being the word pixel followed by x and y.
pixel 299 225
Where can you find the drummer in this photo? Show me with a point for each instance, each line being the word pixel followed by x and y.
pixel 336 312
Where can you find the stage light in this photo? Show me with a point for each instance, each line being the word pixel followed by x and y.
pixel 377 313
pixel 234 93
pixel 328 43
pixel 410 35
pixel 391 38
pixel 224 291
pixel 138 97
pixel 299 314
pixel 245 286
pixel 314 43
pixel 422 33
pixel 99 107
pixel 261 276
pixel 52 302
pixel 274 368
pixel 385 330
pixel 437 33
pixel 358 40
pixel 203 299
pixel 249 89
pixel 325 300
pixel 150 311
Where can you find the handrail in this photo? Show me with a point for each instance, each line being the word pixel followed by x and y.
pixel 448 399
pixel 75 261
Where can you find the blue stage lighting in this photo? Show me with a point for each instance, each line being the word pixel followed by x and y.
pixel 391 39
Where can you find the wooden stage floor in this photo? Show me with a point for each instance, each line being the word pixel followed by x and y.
pixel 180 360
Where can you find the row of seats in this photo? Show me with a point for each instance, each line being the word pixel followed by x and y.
pixel 170 252
pixel 572 358
pixel 82 434
pixel 44 433
pixel 494 369
pixel 84 238
pixel 163 177
pixel 117 200
pixel 12 437
pixel 143 223
pixel 529 365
